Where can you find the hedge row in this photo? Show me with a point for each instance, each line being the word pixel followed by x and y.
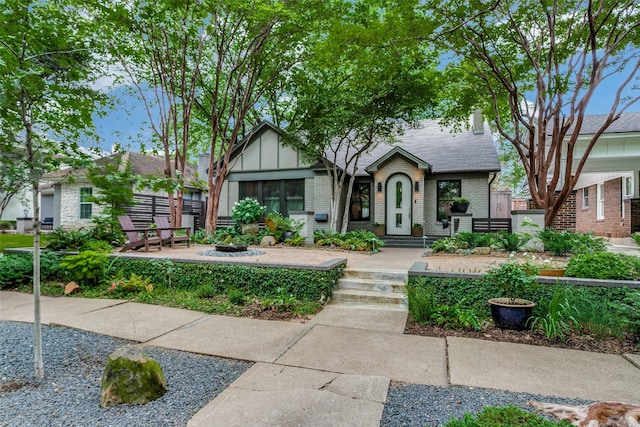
pixel 304 285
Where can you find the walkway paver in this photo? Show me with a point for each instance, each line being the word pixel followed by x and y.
pixel 542 370
pixel 273 395
pixel 368 317
pixel 408 358
pixel 236 338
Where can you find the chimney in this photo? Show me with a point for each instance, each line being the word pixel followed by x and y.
pixel 477 122
pixel 203 165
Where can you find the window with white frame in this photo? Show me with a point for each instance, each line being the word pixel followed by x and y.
pixel 86 206
pixel 585 198
pixel 627 191
pixel 600 197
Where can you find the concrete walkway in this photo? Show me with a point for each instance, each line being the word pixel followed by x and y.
pixel 335 369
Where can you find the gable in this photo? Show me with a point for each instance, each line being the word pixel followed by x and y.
pixel 266 152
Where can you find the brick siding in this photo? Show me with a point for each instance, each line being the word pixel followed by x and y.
pixel 613 224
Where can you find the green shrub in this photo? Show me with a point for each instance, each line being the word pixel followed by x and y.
pixel 96 245
pixel 7 225
pixel 16 271
pixel 425 307
pixel 87 267
pixel 510 242
pixel 556 242
pixel 17 268
pixel 629 309
pixel 134 284
pixel 471 240
pixel 492 416
pixel 636 238
pixel 356 240
pixel 247 210
pixel 448 244
pixel 596 317
pixel 561 242
pixel 604 266
pixel 587 243
pixel 558 315
pixel 305 285
pixel 236 296
pixel 72 240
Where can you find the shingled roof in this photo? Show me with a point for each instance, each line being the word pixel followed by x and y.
pixel 442 148
pixel 141 164
pixel 628 122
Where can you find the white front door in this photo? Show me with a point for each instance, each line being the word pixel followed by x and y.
pixel 399 205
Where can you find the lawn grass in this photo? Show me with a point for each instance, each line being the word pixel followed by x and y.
pixel 15 241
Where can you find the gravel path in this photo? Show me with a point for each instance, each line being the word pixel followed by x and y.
pixel 69 395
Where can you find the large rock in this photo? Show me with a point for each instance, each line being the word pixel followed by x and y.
pixel 481 250
pixel 268 241
pixel 131 376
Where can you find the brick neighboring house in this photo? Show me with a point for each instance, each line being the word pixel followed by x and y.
pixel 65 195
pixel 410 181
pixel 606 199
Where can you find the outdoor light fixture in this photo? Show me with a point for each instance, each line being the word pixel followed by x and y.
pixel 416 186
pixel 379 187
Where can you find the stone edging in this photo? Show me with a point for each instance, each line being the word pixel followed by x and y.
pixel 419 269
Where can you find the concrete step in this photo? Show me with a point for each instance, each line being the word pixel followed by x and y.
pixel 368 297
pixel 376 274
pixel 372 285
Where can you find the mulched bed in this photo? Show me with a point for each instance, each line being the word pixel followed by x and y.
pixel 574 342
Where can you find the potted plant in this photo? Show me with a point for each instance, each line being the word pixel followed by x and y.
pixel 416 230
pixel 459 205
pixel 247 212
pixel 378 229
pixel 511 312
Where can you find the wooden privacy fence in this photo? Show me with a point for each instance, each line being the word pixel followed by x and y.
pixel 147 206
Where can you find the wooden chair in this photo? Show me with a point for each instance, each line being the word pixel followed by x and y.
pixel 139 237
pixel 167 233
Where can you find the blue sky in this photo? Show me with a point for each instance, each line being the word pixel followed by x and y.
pixel 128 124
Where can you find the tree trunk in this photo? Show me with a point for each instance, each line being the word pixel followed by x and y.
pixel 37 324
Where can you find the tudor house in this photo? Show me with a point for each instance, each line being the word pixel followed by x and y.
pixel 411 181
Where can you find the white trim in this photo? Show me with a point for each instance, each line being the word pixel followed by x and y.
pixel 585 198
pixel 600 201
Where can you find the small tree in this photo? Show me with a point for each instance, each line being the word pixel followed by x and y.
pixel 115 183
pixel 45 101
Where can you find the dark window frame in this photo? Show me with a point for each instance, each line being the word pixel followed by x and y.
pixel 354 201
pixel 282 189
pixel 440 200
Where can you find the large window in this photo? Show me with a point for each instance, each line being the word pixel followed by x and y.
pixel 360 207
pixel 86 206
pixel 281 196
pixel 447 191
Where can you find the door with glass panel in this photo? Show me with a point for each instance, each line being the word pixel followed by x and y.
pixel 398 195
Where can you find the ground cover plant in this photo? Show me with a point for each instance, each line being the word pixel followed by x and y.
pixel 212 288
pixel 566 315
pixel 356 240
